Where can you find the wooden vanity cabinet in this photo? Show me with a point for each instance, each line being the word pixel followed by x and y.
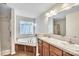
pixel 40 47
pixel 54 51
pixel 45 49
pixel 31 49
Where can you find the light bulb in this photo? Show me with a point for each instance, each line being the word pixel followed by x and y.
pixel 47 14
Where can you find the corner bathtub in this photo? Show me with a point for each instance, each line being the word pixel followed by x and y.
pixel 30 41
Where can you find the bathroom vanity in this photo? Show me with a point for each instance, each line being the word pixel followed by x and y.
pixel 55 47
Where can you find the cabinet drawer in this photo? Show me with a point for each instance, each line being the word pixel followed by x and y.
pixel 45 44
pixel 55 50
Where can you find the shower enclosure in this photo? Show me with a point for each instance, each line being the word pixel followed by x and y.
pixel 6 28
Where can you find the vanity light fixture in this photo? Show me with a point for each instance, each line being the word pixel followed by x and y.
pixel 51 13
pixel 67 8
pixel 47 14
pixel 76 4
pixel 64 5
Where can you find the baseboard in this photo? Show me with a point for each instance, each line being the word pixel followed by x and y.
pixel 6 52
pixel 13 52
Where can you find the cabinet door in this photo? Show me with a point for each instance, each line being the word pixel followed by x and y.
pixel 40 47
pixel 45 49
pixel 31 49
pixel 55 51
pixel 66 54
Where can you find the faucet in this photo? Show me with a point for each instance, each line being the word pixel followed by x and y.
pixel 49 36
pixel 70 41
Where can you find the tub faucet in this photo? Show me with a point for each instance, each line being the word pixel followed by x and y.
pixel 30 41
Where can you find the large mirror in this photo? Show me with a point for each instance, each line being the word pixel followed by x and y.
pixel 66 22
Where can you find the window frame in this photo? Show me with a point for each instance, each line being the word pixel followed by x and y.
pixel 32 27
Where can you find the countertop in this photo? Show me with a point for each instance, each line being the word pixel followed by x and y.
pixel 63 45
pixel 24 43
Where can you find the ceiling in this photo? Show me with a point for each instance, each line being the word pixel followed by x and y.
pixel 31 10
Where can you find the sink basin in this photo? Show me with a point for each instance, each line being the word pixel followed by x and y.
pixel 64 43
pixel 77 50
pixel 74 47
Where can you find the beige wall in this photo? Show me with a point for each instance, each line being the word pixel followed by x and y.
pixel 41 24
pixel 72 24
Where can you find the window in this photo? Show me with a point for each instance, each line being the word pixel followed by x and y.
pixel 26 27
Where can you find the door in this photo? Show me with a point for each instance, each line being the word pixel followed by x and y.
pixel 5 17
pixel 6 39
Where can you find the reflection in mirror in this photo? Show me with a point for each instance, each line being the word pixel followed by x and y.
pixel 60 26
